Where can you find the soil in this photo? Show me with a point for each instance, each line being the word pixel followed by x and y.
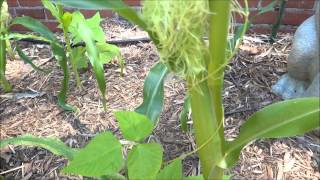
pixel 248 81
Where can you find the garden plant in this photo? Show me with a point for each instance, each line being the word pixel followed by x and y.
pixel 75 29
pixel 177 29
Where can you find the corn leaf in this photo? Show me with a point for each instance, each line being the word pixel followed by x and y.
pixel 153 92
pixel 62 59
pixel 172 171
pixel 134 126
pixel 102 156
pixel 283 119
pixel 52 144
pixel 144 161
pixel 35 26
pixel 26 59
pixel 87 36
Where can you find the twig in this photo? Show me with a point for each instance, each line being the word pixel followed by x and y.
pixel 13 169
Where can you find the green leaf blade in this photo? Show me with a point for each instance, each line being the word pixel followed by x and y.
pixel 102 156
pixel 283 119
pixel 134 126
pixel 144 161
pixel 52 144
pixel 153 92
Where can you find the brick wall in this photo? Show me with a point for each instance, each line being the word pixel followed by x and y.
pixel 296 12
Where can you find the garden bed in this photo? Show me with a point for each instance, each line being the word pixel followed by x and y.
pixel 248 82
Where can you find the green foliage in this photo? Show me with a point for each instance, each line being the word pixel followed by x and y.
pixel 283 119
pixel 102 156
pixel 185 113
pixel 116 5
pixel 4 18
pixel 134 126
pixel 172 171
pixel 76 29
pixel 144 161
pixel 52 144
pixel 153 92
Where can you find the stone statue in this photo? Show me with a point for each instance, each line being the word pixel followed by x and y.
pixel 303 77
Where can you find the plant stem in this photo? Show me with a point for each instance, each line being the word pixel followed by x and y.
pixel 206 126
pixel 276 25
pixel 72 61
pixel 3 62
pixel 206 101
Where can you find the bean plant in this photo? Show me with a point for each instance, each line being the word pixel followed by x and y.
pixel 177 29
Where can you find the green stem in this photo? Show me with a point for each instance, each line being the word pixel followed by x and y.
pixel 276 25
pixel 3 62
pixel 206 126
pixel 3 81
pixel 206 100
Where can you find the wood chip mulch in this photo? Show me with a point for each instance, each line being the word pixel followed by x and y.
pixel 248 81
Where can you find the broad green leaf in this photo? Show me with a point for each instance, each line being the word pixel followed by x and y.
pixel 35 26
pixel 172 171
pixel 94 24
pixel 87 36
pixel 52 144
pixel 26 59
pixel 78 55
pixel 102 156
pixel 62 59
pixel 66 20
pixel 134 126
pixel 116 5
pixel 52 8
pixel 107 52
pixel 77 18
pixel 194 178
pixel 185 113
pixel 112 177
pixel 144 161
pixel 153 92
pixel 283 119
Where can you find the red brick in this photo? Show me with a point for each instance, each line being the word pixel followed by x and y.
pixel 48 14
pixel 302 4
pixel 296 17
pixel 12 3
pixel 133 2
pixel 18 28
pixel 267 18
pixel 30 3
pixel 90 13
pixel 53 26
pixel 35 13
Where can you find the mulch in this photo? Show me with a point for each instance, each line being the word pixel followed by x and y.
pixel 248 81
